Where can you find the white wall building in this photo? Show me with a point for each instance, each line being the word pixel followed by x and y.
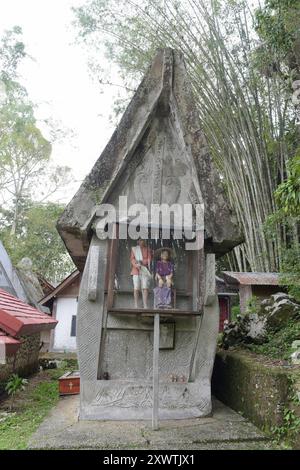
pixel 63 305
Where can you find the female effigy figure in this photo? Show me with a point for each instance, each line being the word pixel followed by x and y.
pixel 164 273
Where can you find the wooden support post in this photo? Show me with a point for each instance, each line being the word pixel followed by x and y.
pixel 93 273
pixel 111 266
pixel 2 353
pixel 155 372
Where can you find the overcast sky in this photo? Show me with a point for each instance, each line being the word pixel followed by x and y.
pixel 58 80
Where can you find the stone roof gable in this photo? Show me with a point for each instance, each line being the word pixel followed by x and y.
pixel 163 97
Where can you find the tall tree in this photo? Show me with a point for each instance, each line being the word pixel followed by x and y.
pixel 246 113
pixel 24 151
pixel 38 239
pixel 27 177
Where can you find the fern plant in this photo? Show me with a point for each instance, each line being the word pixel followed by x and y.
pixel 14 385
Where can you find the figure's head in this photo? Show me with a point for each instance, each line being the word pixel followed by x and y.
pixel 141 242
pixel 165 255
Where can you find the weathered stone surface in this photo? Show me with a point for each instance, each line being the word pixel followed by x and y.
pixel 278 309
pixel 259 391
pixel 272 314
pixel 165 96
pixel 29 282
pixel 124 349
pixel 295 357
pixel 25 362
pixel 225 429
pixel 157 155
pixel 249 328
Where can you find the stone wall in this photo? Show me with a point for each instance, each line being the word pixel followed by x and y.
pixel 25 362
pixel 261 392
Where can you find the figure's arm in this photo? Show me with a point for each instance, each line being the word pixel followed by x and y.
pixel 172 271
pixel 157 275
pixel 133 260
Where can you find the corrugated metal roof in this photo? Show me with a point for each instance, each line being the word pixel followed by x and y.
pixel 258 279
pixel 225 287
pixel 18 318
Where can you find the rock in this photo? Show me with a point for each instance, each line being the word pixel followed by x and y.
pixel 257 329
pixel 48 364
pixel 30 282
pixel 247 329
pixel 296 344
pixel 272 314
pixel 278 309
pixel 295 357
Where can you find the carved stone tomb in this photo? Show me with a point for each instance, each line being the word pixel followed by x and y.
pixel 140 362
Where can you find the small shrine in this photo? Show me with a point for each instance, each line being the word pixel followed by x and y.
pixel 148 314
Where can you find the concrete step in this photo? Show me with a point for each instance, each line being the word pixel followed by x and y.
pixel 225 429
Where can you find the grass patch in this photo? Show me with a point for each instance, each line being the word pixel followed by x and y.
pixel 31 407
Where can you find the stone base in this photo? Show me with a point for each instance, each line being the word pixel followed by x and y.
pixel 224 430
pixel 132 400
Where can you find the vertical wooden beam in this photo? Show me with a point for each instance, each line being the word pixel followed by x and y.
pixel 210 279
pixel 93 273
pixel 52 332
pixel 2 353
pixel 155 372
pixel 112 254
pixel 198 297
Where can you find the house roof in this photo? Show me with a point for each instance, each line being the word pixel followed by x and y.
pixel 45 285
pixel 18 318
pixel 164 93
pixel 65 283
pixel 226 288
pixel 8 345
pixel 252 279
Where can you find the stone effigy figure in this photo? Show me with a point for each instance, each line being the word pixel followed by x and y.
pixel 140 259
pixel 164 272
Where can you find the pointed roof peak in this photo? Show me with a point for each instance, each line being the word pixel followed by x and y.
pixel 164 95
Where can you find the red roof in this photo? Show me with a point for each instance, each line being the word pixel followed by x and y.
pixel 18 318
pixel 9 345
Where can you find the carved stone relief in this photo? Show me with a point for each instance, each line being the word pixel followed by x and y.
pixel 140 396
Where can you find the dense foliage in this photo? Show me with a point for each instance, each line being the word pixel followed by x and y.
pixel 278 343
pixel 38 239
pixel 27 176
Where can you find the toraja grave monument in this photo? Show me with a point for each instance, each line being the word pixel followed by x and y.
pixel 148 315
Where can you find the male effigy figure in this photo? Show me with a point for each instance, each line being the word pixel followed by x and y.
pixel 164 273
pixel 140 258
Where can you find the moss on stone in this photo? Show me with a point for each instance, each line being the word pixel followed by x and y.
pixel 261 392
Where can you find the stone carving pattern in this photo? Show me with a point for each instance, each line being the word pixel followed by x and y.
pixel 140 396
pixel 128 355
pixel 143 180
pixel 89 318
pixel 157 171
